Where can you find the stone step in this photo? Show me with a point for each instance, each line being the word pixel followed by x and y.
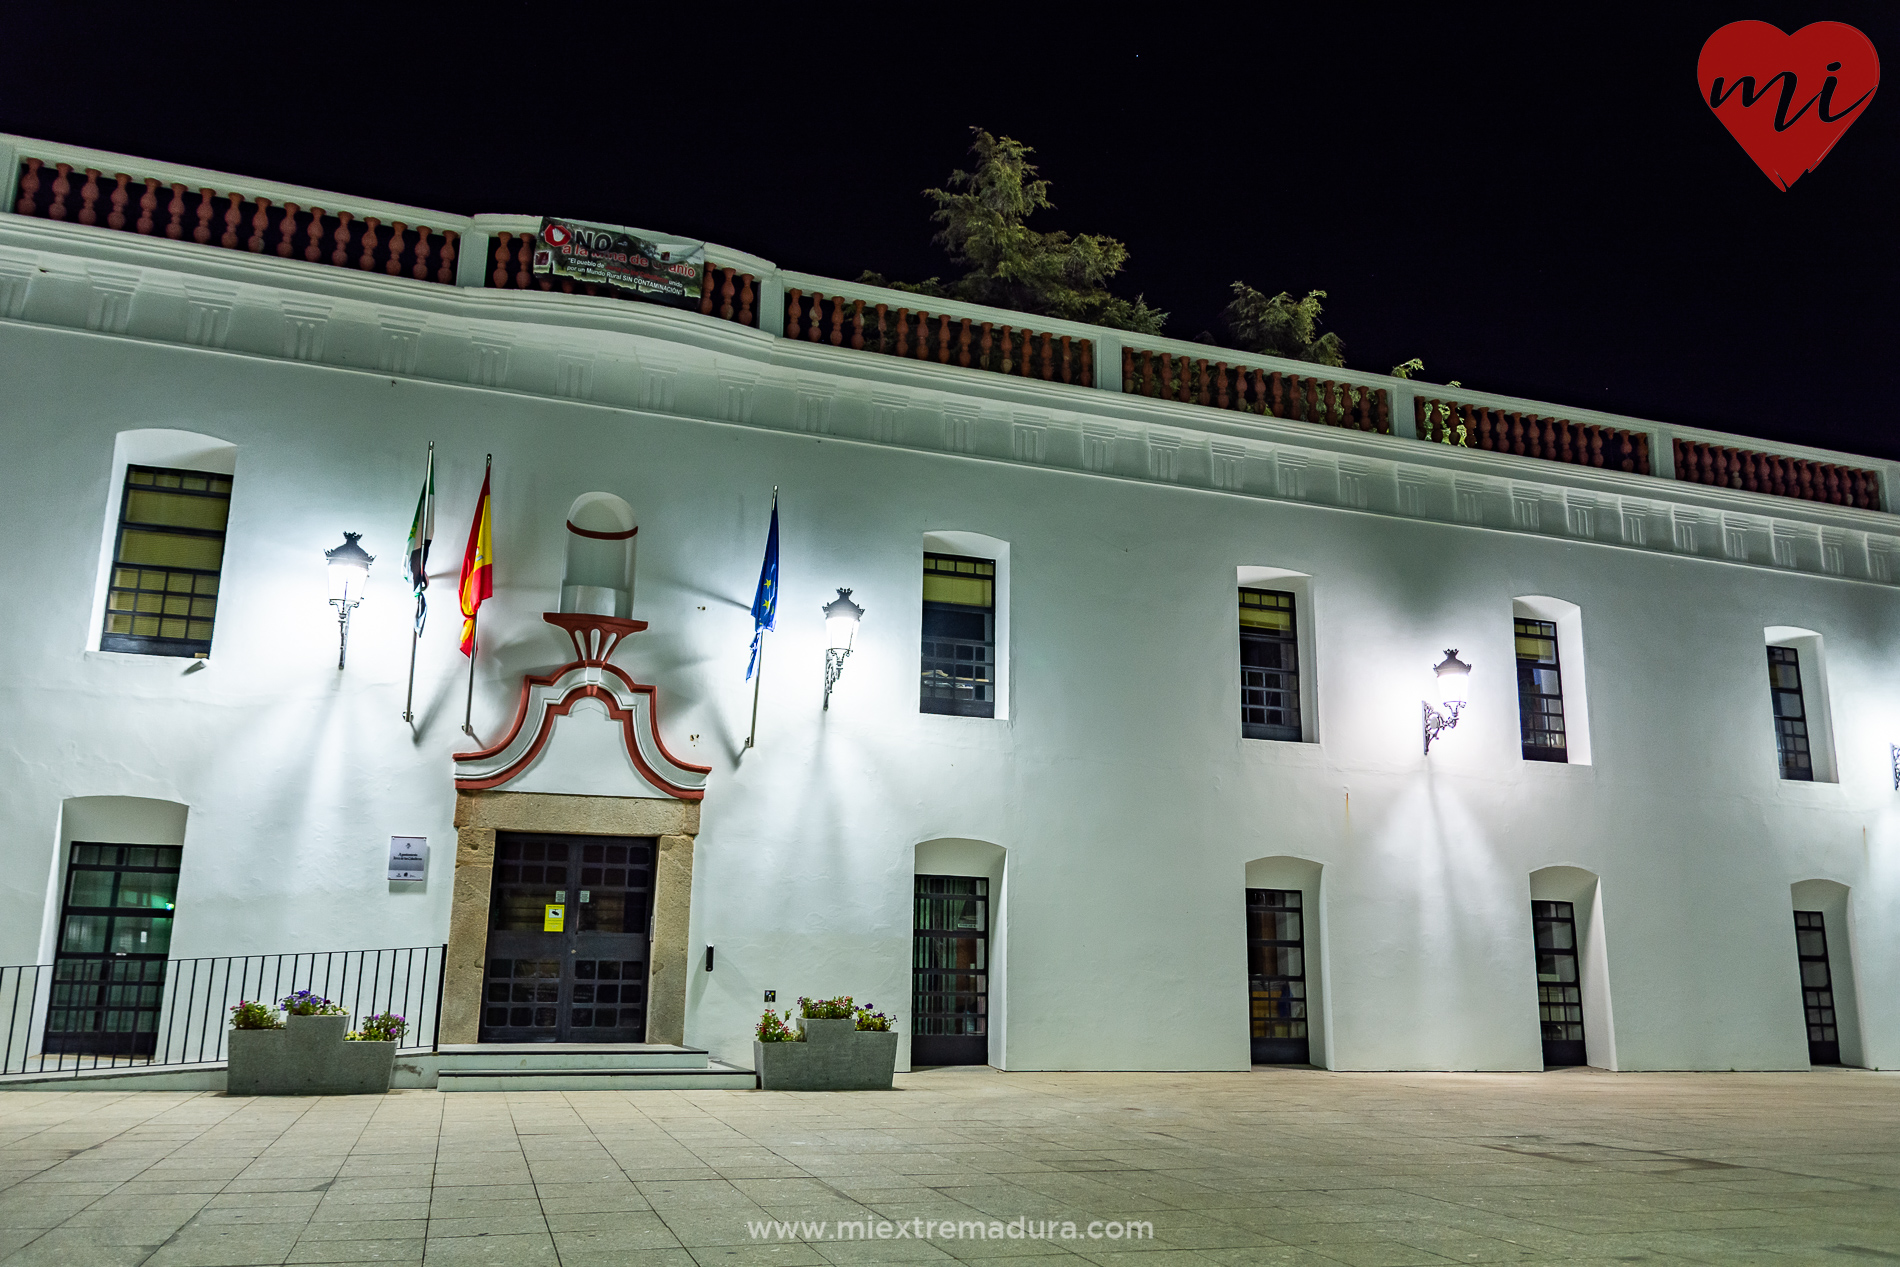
pixel 715 1075
pixel 561 1057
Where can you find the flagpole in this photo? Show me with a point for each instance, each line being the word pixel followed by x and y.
pixel 427 514
pixel 468 714
pixel 758 675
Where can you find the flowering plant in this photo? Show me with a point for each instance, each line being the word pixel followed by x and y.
pixel 250 1014
pixel 309 1003
pixel 838 1009
pixel 384 1027
pixel 867 1019
pixel 772 1029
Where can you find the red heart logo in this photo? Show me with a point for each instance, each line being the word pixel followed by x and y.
pixel 1788 98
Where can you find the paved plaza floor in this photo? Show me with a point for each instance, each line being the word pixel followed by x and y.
pixel 1270 1167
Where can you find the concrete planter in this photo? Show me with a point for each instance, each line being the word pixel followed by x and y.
pixel 309 1056
pixel 835 1056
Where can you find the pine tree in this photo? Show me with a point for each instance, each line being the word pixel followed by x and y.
pixel 1010 265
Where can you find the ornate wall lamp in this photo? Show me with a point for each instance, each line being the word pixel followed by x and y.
pixel 1453 674
pixel 349 577
pixel 841 630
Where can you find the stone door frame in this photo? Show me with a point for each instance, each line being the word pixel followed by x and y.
pixel 479 815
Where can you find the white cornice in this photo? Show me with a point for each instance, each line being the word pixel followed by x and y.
pixel 631 356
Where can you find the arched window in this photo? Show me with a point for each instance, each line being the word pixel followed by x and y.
pixel 162 559
pixel 1552 706
pixel 598 578
pixel 965 670
pixel 1797 693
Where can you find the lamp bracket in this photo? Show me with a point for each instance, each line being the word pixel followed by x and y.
pixel 1437 723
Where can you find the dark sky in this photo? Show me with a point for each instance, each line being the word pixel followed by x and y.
pixel 1535 205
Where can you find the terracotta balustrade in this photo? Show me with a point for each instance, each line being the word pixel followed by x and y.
pixel 1756 472
pixel 233 221
pixel 726 293
pixel 1199 380
pixel 1551 439
pixel 917 334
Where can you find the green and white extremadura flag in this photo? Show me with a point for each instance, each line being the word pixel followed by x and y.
pixel 421 532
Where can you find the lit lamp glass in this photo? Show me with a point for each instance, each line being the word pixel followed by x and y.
pixel 348 566
pixel 841 633
pixel 1453 677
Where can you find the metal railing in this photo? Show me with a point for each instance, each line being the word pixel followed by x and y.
pixel 70 1017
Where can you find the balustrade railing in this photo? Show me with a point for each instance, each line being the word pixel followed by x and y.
pixel 918 334
pixel 1757 472
pixel 78 1015
pixel 234 220
pixel 1531 435
pixel 1195 380
pixel 727 293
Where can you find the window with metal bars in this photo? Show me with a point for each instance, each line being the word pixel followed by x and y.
pixel 163 599
pixel 950 971
pixel 959 643
pixel 1791 714
pixel 1540 691
pixel 1269 666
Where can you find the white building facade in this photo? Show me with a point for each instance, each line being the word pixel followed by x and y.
pixel 1200 604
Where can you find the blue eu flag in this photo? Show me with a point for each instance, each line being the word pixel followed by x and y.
pixel 765 602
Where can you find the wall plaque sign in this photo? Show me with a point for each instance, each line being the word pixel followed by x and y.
pixel 408 857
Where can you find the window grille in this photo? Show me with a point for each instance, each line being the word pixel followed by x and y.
pixel 1540 692
pixel 164 594
pixel 1269 666
pixel 1791 714
pixel 959 644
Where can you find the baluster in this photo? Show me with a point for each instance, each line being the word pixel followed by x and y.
pixel 1128 371
pixel 202 234
pixel 1312 413
pixel 985 346
pixel 745 299
pixel 420 270
pixel 1276 391
pixel 943 339
pixel 857 325
pixel 963 342
pixel 392 264
pixel 1834 484
pixel 1778 473
pixel 62 186
pixel 1596 446
pixel 726 291
pixel 903 332
pixel 705 291
pixel 1561 439
pixel 1423 418
pixel 260 221
pixel 1257 404
pixel 1048 362
pixel 815 326
pixel 1088 362
pixel 1755 472
pixel 233 216
pixel 1147 373
pixel 1704 463
pixel 1067 371
pixel 791 313
pixel 1484 439
pixel 176 209
pixel 29 204
pixel 1385 413
pixel 148 205
pixel 313 239
pixel 116 218
pixel 1220 384
pixel 1642 453
pixel 445 272
pixel 1006 360
pixel 1201 394
pixel 503 257
pixel 88 195
pixel 340 257
pixel 837 321
pixel 883 330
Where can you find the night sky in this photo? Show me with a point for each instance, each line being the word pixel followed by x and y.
pixel 1534 206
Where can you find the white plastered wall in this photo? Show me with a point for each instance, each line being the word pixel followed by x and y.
pixel 977 545
pixel 1584 891
pixel 1835 902
pixel 1308 878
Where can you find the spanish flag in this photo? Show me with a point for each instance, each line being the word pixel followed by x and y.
pixel 478 573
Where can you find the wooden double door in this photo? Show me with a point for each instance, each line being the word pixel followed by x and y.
pixel 570 931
